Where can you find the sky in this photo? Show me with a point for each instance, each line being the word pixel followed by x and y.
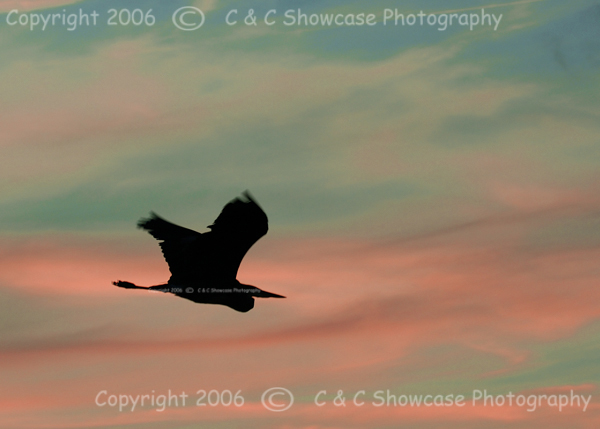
pixel 433 204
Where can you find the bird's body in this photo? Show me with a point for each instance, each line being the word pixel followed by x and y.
pixel 204 266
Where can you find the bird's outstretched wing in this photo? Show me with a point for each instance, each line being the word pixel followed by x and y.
pixel 215 255
pixel 241 224
pixel 180 246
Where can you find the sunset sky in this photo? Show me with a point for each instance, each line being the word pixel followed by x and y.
pixel 433 202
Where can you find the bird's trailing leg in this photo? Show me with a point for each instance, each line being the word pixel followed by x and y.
pixel 128 285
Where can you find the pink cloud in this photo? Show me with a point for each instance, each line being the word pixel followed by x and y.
pixel 306 414
pixel 486 296
pixel 22 5
pixel 372 309
pixel 52 264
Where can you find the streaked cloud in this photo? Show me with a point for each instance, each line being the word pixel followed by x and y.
pixel 432 199
pixel 7 5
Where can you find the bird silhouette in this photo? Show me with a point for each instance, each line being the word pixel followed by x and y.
pixel 204 266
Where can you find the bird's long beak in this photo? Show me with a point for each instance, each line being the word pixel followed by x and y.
pixel 264 294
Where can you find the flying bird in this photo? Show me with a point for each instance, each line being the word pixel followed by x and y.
pixel 204 266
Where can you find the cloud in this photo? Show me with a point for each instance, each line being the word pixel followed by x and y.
pixel 482 286
pixel 154 116
pixel 26 5
pixel 482 188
